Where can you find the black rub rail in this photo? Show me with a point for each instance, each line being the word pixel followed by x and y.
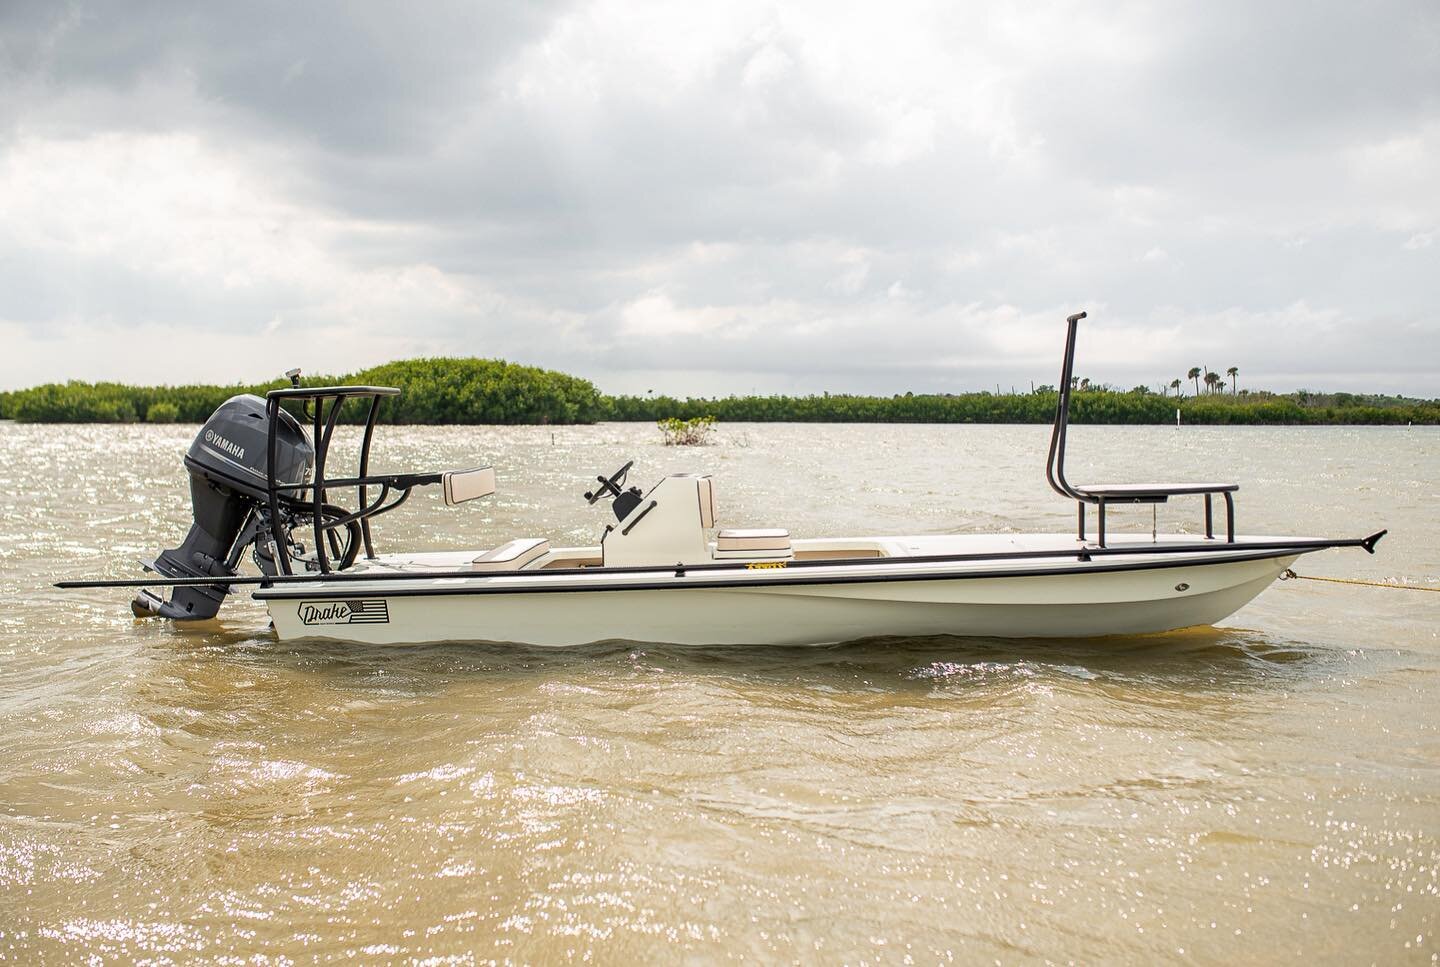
pixel 1082 554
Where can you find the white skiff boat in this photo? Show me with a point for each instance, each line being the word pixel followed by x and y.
pixel 664 571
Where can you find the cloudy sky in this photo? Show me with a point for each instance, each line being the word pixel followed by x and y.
pixel 713 198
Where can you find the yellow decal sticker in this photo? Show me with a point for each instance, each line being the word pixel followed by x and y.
pixel 765 565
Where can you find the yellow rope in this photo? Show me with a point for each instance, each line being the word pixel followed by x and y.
pixel 1289 575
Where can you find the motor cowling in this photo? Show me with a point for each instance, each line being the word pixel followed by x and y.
pixel 227 462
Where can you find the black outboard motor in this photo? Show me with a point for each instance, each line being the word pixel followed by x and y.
pixel 227 464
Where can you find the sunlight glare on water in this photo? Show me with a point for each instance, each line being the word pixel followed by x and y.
pixel 1268 790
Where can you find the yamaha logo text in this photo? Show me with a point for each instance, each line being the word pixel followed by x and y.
pixel 220 443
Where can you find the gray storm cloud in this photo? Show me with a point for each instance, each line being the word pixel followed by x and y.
pixel 762 197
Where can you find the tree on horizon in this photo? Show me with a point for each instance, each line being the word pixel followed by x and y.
pixel 1195 375
pixel 1233 372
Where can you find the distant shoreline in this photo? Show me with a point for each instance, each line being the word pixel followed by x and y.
pixel 472 391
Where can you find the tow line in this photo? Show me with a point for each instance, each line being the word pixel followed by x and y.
pixel 1289 575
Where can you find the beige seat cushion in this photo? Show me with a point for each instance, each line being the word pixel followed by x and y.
pixel 705 491
pixel 754 539
pixel 512 556
pixel 462 485
pixel 707 502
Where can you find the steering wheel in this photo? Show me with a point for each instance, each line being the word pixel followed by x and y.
pixel 343 550
pixel 610 486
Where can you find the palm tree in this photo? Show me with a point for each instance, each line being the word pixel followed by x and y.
pixel 1212 380
pixel 1195 375
pixel 1233 372
pixel 1175 385
pixel 1085 384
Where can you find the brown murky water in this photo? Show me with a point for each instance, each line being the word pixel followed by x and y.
pixel 1265 791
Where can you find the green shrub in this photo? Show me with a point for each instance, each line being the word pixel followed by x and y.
pixel 162 412
pixel 432 391
pixel 693 432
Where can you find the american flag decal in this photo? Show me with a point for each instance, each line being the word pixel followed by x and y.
pixel 375 611
pixel 364 611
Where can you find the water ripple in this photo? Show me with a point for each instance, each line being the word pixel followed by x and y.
pixel 206 793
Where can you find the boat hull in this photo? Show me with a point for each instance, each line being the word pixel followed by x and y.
pixel 816 608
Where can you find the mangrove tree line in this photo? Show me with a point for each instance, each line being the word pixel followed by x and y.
pixel 470 391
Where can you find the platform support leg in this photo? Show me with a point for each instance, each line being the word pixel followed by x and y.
pixel 1230 517
pixel 1209 518
pixel 1100 512
pixel 1081 504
